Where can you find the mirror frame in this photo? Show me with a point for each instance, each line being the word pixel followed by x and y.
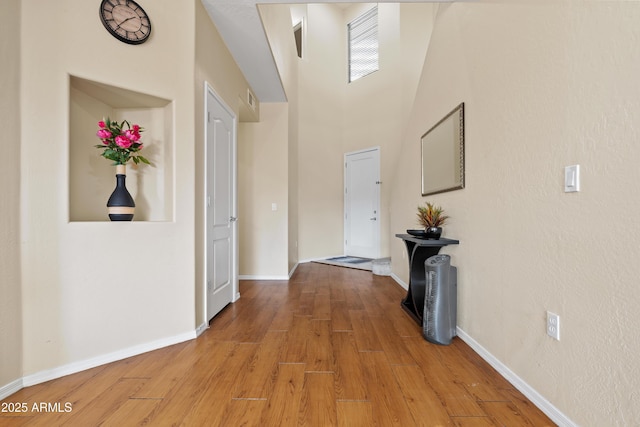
pixel 455 143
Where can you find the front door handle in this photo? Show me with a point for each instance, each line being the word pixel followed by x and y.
pixel 233 219
pixel 373 219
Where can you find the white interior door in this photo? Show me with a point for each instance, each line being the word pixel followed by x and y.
pixel 221 276
pixel 362 203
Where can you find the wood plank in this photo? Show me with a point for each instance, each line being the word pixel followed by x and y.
pixel 211 404
pixel 306 302
pixel 134 412
pixel 454 396
pixel 243 412
pixel 505 414
pixel 190 388
pixel 96 410
pixel 366 338
pixel 319 353
pixel 318 402
pixel 283 405
pixel 466 373
pixel 423 402
pixel 354 413
pixel 256 380
pixel 340 320
pixel 389 406
pixel 352 298
pixel 528 409
pixel 15 420
pixel 390 341
pixel 322 306
pixel 164 380
pixel 473 422
pixel 350 377
pixel 282 320
pixel 295 347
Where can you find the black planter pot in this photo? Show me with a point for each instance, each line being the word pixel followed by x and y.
pixel 121 205
pixel 433 233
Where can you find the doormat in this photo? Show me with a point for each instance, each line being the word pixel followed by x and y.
pixel 348 261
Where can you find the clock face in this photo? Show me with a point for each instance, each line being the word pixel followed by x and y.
pixel 125 20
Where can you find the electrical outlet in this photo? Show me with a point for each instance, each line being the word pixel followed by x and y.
pixel 553 325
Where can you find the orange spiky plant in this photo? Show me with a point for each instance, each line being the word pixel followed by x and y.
pixel 431 216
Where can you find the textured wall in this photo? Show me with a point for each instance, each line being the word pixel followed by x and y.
pixel 546 84
pixel 94 288
pixel 10 300
pixel 337 117
pixel 277 21
pixel 262 170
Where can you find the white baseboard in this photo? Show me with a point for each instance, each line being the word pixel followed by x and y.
pixel 536 398
pixel 293 270
pixel 200 329
pixel 72 368
pixel 9 389
pixel 399 280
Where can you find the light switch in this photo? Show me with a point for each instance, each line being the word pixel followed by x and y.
pixel 571 178
pixel 274 206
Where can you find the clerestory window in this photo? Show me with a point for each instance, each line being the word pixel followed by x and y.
pixel 363 44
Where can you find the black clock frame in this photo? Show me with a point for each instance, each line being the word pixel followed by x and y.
pixel 132 5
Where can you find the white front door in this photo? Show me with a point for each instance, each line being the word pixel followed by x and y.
pixel 221 277
pixel 362 203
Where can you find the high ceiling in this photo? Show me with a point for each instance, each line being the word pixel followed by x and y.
pixel 240 26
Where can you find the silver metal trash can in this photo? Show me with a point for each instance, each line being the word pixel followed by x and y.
pixel 440 301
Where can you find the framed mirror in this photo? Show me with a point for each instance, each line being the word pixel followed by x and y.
pixel 443 154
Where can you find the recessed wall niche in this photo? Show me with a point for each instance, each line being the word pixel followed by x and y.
pixel 92 177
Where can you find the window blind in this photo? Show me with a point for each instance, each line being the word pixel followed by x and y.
pixel 363 44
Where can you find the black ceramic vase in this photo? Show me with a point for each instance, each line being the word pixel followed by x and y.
pixel 121 205
pixel 433 232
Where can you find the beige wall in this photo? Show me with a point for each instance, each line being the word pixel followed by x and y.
pixel 321 75
pixel 268 168
pixel 262 171
pixel 79 291
pixel 336 117
pixel 377 106
pixel 10 303
pixel 93 289
pixel 545 85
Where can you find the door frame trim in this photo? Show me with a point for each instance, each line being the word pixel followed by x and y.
pixel 378 248
pixel 208 89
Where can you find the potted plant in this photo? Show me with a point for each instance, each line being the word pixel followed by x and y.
pixel 120 144
pixel 432 218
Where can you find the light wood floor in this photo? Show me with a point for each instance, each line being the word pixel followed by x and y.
pixel 331 347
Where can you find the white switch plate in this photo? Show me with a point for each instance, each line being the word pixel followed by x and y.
pixel 274 206
pixel 571 178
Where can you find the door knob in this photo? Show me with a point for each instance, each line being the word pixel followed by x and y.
pixel 373 219
pixel 233 219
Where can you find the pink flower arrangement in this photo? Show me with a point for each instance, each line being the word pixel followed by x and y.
pixel 120 144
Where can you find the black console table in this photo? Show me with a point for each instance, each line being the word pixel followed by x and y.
pixel 419 250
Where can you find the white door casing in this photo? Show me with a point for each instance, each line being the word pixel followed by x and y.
pixel 221 281
pixel 362 203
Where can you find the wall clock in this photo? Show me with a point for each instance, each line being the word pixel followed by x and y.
pixel 125 20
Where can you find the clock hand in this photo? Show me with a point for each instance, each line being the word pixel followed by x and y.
pixel 118 27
